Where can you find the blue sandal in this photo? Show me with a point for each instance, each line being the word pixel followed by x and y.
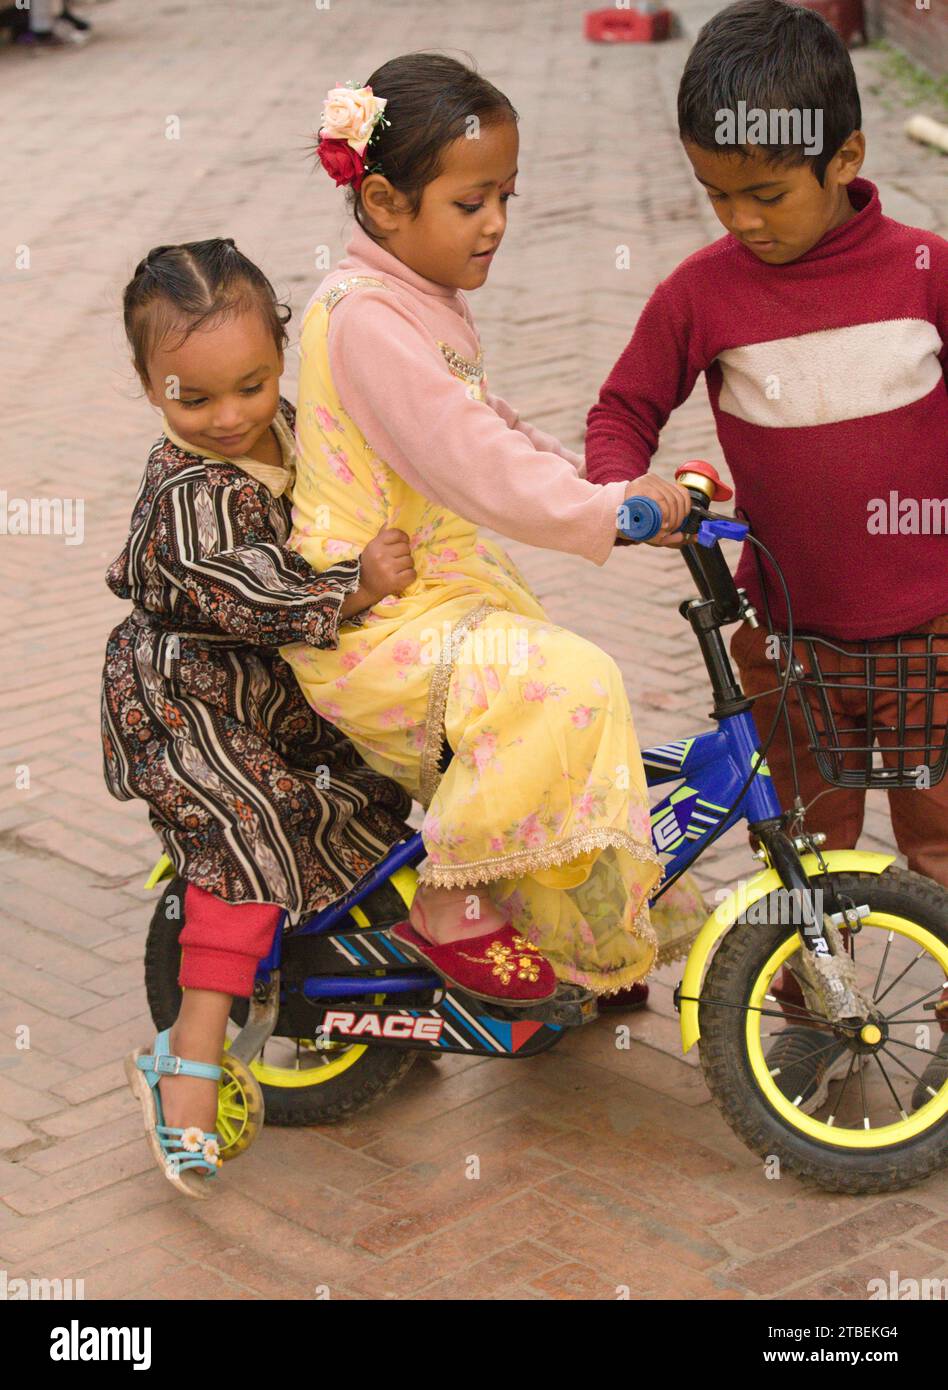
pixel 188 1157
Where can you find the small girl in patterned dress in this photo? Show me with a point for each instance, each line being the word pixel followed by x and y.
pixel 260 804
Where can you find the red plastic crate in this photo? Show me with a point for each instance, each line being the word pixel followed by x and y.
pixel 627 26
pixel 846 16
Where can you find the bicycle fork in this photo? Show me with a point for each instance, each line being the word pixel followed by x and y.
pixel 827 971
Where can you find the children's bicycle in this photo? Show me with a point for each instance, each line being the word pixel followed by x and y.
pixel 338 1012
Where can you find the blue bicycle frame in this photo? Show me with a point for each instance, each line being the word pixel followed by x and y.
pixel 720 779
pixel 711 768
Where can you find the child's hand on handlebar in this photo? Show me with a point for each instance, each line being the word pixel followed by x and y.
pixel 386 565
pixel 675 503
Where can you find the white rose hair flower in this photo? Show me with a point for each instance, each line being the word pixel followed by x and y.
pixel 350 117
pixel 350 114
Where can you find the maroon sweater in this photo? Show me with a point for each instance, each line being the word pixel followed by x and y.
pixel 826 377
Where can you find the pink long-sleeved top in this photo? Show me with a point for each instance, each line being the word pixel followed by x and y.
pixel 476 457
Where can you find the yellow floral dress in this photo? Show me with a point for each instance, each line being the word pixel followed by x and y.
pixel 544 802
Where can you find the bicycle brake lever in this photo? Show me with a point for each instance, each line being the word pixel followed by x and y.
pixel 720 528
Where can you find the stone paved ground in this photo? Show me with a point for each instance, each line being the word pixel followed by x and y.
pixel 599 1167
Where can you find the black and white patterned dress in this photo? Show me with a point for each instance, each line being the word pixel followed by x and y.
pixel 254 796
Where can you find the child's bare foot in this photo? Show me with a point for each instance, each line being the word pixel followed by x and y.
pixel 440 915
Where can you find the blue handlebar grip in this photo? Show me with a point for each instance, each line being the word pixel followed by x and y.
pixel 639 518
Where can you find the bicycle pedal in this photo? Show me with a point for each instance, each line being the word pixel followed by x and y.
pixel 570 1007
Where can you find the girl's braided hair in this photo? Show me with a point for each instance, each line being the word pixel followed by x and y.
pixel 190 284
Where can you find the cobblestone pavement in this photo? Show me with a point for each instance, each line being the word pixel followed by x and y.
pixel 379 1207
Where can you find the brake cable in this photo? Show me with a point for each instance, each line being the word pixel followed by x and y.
pixel 761 751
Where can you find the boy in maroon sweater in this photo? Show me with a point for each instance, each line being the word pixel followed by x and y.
pixel 822 329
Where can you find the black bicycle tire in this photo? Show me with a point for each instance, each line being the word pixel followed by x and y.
pixel 726 1068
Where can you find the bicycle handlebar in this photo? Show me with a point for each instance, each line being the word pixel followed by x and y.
pixel 639 519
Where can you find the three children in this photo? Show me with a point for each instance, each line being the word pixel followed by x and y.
pixel 384 611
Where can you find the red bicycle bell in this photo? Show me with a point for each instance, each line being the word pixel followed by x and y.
pixel 704 478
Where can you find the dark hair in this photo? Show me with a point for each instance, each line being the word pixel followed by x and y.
pixel 429 98
pixel 773 56
pixel 192 283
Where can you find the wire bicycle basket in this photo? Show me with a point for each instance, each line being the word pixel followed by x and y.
pixel 876 710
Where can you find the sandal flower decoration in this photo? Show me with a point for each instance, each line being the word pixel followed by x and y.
pixel 351 115
pixel 212 1152
pixel 193 1140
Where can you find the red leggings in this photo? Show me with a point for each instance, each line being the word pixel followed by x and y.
pixel 222 943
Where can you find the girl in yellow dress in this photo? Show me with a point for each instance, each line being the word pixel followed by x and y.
pixel 543 808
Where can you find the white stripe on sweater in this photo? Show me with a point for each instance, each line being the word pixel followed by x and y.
pixel 834 374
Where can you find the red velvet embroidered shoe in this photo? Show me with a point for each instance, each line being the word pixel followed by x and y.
pixel 499 966
pixel 635 997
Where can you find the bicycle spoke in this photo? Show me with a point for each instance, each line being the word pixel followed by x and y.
pixel 862 1093
pixel 912 1074
pixel 890 1017
pixel 833 1042
pixel 794 1013
pixel 885 1075
pixel 913 961
pixel 927 1050
pixel 885 957
pixel 913 1020
pixel 842 1090
pixel 747 1008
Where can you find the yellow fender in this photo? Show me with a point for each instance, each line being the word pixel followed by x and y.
pixel 725 915
pixel 163 869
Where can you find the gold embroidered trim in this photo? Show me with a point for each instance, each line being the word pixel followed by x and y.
pixel 460 366
pixel 677 949
pixel 604 985
pixel 430 772
pixel 526 861
pixel 333 296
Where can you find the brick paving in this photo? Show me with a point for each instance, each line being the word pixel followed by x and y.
pixel 599 1167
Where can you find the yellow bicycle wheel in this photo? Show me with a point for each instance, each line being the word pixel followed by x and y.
pixel 240 1107
pixel 879 1125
